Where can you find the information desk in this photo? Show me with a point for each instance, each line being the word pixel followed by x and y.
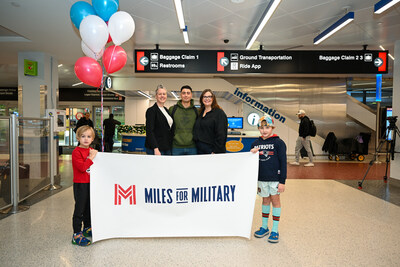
pixel 239 143
pixel 235 143
pixel 133 142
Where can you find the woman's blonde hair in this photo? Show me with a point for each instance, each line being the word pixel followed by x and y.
pixel 83 129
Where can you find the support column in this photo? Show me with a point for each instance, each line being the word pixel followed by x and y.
pixel 395 164
pixel 37 93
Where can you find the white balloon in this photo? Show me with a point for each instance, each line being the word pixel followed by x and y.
pixel 86 50
pixel 121 27
pixel 94 33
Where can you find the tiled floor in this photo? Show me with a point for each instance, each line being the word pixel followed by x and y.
pixel 324 222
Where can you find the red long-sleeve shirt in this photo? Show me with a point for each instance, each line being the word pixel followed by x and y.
pixel 81 165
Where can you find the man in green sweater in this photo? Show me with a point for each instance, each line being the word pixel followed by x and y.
pixel 184 114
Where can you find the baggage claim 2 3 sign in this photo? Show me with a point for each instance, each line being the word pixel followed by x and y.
pixel 244 61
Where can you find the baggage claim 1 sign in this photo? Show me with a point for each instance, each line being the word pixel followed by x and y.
pixel 279 62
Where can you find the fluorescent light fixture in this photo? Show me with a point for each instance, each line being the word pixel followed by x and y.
pixel 264 19
pixel 144 94
pixel 175 95
pixel 185 35
pixel 60 65
pixel 381 47
pixel 383 5
pixel 76 84
pixel 179 13
pixel 346 19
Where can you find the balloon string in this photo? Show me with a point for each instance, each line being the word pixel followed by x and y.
pixel 112 55
pixel 102 110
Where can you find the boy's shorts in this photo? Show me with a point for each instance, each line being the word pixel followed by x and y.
pixel 266 189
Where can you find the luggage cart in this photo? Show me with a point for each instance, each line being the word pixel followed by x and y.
pixel 348 148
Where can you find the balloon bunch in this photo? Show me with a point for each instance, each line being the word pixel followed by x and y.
pixel 99 24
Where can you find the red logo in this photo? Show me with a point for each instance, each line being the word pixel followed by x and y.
pixel 129 193
pixel 383 56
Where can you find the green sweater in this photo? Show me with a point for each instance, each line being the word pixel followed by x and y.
pixel 184 119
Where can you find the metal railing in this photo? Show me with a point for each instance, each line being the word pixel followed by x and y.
pixel 30 167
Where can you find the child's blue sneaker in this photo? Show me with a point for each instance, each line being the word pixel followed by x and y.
pixel 80 240
pixel 87 232
pixel 261 233
pixel 273 237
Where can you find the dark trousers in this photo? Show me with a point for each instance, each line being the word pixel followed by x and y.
pixel 109 142
pixel 203 148
pixel 82 207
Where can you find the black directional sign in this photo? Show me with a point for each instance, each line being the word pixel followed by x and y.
pixel 245 61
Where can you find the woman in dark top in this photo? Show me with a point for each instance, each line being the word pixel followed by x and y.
pixel 159 126
pixel 210 129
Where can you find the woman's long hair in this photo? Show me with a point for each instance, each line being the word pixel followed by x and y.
pixel 214 103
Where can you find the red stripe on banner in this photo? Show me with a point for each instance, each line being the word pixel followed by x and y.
pixel 383 56
pixel 116 194
pixel 139 55
pixel 265 215
pixel 134 194
pixel 219 56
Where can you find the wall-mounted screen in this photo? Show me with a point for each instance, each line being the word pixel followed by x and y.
pixel 235 122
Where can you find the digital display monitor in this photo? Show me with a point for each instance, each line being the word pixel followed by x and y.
pixel 235 122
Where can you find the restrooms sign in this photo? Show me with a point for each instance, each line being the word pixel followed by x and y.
pixel 173 196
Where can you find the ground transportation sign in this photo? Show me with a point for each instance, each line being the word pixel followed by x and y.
pixel 261 61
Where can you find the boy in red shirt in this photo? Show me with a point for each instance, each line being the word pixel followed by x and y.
pixel 82 157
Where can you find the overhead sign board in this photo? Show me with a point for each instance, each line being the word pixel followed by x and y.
pixel 278 62
pixel 88 94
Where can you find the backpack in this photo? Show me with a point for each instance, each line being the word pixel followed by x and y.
pixel 313 129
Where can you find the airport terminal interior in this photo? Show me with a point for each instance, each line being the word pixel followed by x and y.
pixel 338 61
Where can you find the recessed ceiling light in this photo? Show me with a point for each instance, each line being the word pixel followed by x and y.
pixel 237 1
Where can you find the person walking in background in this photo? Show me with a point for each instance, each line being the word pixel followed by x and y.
pixel 85 120
pixel 109 132
pixel 82 159
pixel 272 173
pixel 184 114
pixel 210 129
pixel 304 139
pixel 159 126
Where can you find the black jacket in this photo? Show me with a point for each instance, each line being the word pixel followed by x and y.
pixel 158 133
pixel 212 129
pixel 109 126
pixel 305 127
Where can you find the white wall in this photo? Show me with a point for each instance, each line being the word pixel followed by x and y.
pixel 395 164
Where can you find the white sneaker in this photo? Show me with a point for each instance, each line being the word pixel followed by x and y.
pixel 310 164
pixel 294 163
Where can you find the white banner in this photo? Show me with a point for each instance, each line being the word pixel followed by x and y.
pixel 173 196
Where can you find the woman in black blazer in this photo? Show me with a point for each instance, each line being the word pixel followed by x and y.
pixel 159 126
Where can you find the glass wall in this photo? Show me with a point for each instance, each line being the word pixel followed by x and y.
pixel 5 183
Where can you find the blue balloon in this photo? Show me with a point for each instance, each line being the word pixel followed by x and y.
pixel 79 11
pixel 105 8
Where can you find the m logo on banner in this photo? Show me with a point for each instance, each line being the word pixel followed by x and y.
pixel 130 193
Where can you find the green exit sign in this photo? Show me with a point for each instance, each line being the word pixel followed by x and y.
pixel 30 67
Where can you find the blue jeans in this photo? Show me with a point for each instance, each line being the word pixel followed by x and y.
pixel 163 152
pixel 184 151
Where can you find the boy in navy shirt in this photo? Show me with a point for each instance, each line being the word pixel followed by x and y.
pixel 271 175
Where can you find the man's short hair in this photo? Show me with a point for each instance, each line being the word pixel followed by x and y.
pixel 186 87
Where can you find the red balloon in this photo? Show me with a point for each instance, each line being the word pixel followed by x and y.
pixel 89 71
pixel 114 58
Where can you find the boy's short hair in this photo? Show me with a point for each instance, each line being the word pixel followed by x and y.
pixel 266 120
pixel 83 129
